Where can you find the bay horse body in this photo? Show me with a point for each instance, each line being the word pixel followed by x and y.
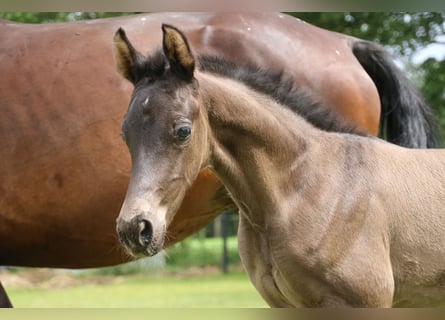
pixel 64 169
pixel 327 219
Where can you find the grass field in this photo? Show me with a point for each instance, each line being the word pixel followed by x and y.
pixel 190 278
pixel 213 290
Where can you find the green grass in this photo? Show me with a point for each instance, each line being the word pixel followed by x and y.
pixel 210 290
pixel 184 282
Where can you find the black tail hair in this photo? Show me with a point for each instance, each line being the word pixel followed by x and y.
pixel 405 118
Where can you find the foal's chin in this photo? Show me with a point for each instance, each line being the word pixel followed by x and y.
pixel 141 250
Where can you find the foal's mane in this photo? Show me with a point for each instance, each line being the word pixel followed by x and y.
pixel 280 87
pixel 273 83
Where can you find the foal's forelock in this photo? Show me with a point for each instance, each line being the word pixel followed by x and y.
pixel 149 69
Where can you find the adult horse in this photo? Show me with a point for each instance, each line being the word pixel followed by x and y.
pixel 64 169
pixel 327 219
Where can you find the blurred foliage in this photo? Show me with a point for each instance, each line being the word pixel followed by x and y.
pixel 201 252
pixel 403 33
pixel 433 88
pixel 50 17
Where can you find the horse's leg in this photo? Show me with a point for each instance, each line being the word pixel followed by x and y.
pixel 361 275
pixel 254 256
pixel 4 300
pixel 365 294
pixel 357 274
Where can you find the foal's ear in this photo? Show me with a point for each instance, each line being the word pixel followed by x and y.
pixel 125 55
pixel 178 53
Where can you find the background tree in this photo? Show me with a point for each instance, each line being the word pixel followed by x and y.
pixel 403 34
pixel 50 17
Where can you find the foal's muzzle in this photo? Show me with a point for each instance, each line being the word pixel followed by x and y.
pixel 137 236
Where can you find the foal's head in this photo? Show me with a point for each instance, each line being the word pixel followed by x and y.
pixel 166 135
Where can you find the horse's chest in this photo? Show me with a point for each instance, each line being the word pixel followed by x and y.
pixel 264 272
pixel 279 274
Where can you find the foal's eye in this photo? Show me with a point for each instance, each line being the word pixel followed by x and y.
pixel 183 133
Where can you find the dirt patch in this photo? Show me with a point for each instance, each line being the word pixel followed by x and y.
pixel 46 278
pixel 193 272
pixel 50 279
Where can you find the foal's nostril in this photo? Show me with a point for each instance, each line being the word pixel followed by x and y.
pixel 145 232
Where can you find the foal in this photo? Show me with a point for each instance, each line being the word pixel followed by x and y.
pixel 326 219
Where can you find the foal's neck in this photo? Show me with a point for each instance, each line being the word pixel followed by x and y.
pixel 256 144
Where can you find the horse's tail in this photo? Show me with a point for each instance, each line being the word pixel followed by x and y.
pixel 405 118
